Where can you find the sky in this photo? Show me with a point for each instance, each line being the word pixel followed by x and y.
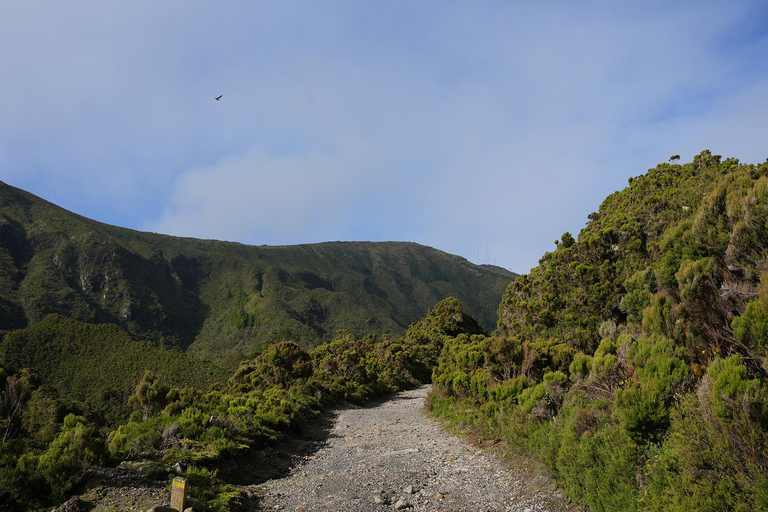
pixel 483 128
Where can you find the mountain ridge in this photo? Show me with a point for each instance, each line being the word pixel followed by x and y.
pixel 212 297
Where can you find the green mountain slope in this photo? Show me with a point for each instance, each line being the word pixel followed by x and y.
pixel 688 241
pixel 214 298
pixel 633 361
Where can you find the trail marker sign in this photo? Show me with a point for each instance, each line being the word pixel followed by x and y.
pixel 179 489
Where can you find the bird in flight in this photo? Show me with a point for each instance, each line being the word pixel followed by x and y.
pixel 219 97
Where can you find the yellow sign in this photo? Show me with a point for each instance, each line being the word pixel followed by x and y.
pixel 179 493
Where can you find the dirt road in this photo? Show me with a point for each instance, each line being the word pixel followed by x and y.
pixel 391 456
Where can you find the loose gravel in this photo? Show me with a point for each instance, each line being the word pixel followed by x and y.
pixel 391 456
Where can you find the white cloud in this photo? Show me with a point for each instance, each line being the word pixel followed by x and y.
pixel 446 123
pixel 257 197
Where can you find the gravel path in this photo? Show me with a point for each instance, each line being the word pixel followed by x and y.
pixel 391 456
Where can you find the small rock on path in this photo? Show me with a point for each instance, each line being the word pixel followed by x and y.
pixel 391 456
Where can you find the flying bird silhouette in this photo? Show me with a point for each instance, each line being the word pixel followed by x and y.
pixel 219 97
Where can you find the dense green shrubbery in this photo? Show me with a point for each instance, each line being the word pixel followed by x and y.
pixel 714 456
pixel 632 362
pixel 101 363
pixel 266 397
pixel 37 478
pixel 626 429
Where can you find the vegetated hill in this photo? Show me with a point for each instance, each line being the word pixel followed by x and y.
pixel 500 270
pixel 96 367
pixel 633 360
pixel 214 298
pixel 689 241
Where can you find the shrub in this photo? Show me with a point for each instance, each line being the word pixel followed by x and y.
pixel 658 374
pixel 751 328
pixel 715 456
pixel 75 449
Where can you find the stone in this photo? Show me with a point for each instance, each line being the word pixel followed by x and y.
pixel 439 496
pixel 380 500
pixel 409 489
pixel 162 509
pixel 401 504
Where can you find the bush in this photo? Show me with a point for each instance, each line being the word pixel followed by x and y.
pixel 280 364
pixel 75 449
pixel 751 328
pixel 715 456
pixel 658 374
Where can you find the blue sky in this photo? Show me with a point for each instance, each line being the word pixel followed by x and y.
pixel 483 128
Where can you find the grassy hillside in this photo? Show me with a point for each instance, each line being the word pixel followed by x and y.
pixel 632 361
pixel 214 298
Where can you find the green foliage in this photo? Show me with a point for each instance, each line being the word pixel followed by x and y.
pixel 67 457
pixel 281 364
pixel 41 418
pixel 444 320
pixel 581 366
pixel 98 365
pixel 640 286
pixel 658 317
pixel 596 467
pixel 657 375
pixel 151 394
pixel 136 438
pixel 640 359
pixel 341 367
pixel 751 328
pixel 38 479
pixel 715 456
pixel 729 392
pixel 239 318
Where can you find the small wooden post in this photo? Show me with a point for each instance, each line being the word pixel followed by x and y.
pixel 179 493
